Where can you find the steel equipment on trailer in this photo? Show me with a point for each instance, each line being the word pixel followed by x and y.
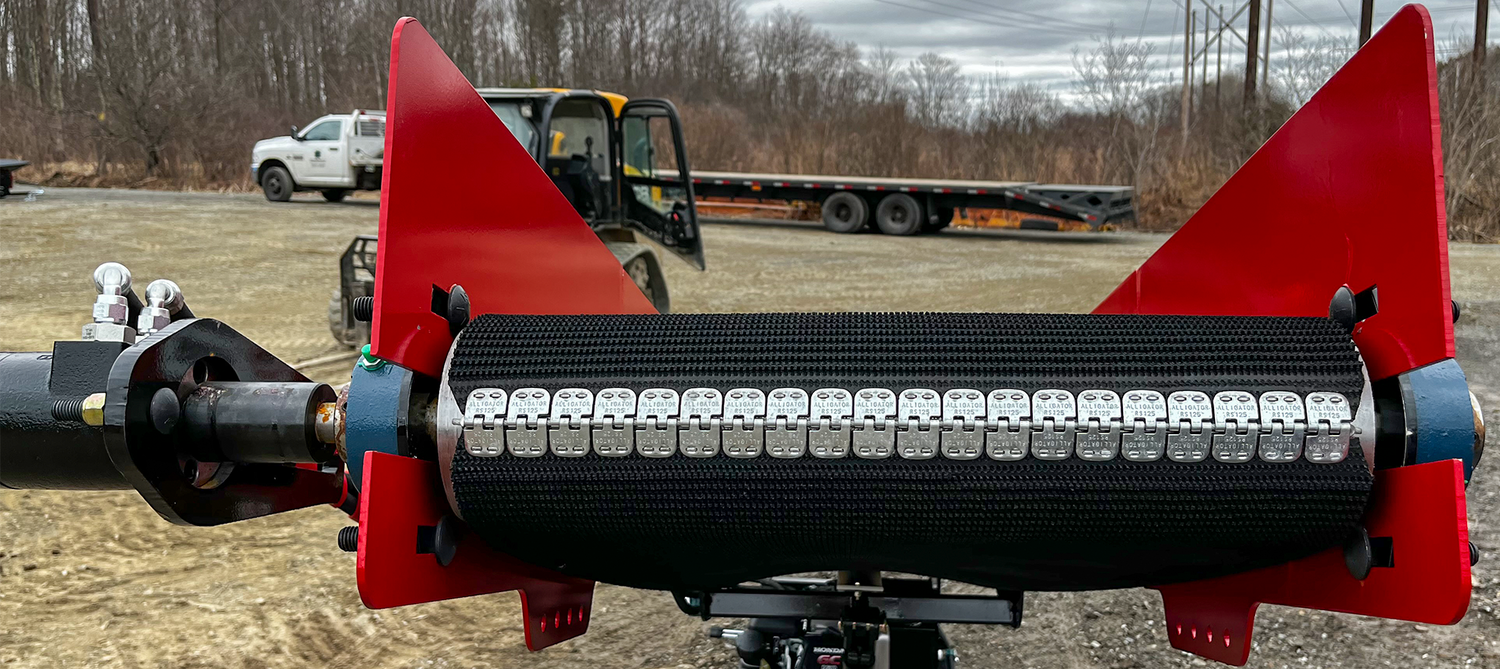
pixel 525 420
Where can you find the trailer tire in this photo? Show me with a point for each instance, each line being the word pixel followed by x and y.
pixel 899 214
pixel 277 184
pixel 845 212
pixel 334 194
pixel 942 217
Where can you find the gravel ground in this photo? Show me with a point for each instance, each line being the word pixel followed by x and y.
pixel 97 579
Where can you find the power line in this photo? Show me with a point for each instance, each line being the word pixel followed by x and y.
pixel 1044 17
pixel 1352 22
pixel 1315 22
pixel 971 17
pixel 1007 21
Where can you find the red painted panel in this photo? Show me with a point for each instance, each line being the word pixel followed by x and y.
pixel 1420 507
pixel 1349 191
pixel 402 494
pixel 464 203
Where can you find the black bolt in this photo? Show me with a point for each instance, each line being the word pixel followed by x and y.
pixel 458 309
pixel 1456 310
pixel 165 410
pixel 1473 554
pixel 349 539
pixel 1359 557
pixel 1341 308
pixel 364 308
pixel 67 410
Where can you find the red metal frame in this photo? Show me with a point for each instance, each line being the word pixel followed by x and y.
pixel 398 496
pixel 453 177
pixel 1348 193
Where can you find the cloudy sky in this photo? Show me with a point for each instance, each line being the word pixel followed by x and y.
pixel 1033 40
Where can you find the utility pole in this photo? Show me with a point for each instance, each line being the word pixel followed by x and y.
pixel 1219 62
pixel 1481 33
pixel 1252 35
pixel 1203 95
pixel 1187 69
pixel 1366 16
pixel 1265 59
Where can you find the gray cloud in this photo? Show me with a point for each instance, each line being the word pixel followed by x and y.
pixel 1033 40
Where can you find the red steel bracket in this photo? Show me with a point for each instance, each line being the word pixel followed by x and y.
pixel 1348 193
pixel 463 203
pixel 401 495
pixel 1421 510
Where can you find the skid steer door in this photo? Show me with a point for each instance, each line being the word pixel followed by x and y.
pixel 656 187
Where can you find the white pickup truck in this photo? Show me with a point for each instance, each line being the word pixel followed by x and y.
pixel 335 154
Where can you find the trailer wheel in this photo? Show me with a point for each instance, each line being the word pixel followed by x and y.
pixel 845 212
pixel 277 184
pixel 334 194
pixel 899 214
pixel 942 217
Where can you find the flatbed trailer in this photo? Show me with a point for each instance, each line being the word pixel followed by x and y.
pixel 902 206
pixel 6 179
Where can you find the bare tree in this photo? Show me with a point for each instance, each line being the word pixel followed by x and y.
pixel 937 89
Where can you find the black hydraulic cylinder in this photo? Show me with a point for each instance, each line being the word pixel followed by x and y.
pixel 39 451
pixel 256 422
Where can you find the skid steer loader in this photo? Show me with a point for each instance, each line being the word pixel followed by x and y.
pixel 620 163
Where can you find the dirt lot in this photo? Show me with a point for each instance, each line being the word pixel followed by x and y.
pixel 97 579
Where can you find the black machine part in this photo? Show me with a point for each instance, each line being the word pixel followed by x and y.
pixel 206 425
pixel 37 450
pixel 685 523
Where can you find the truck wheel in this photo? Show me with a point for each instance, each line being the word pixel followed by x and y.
pixel 845 212
pixel 334 194
pixel 899 214
pixel 277 184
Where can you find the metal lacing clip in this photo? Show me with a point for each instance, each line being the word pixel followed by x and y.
pixel 1144 434
pixel 744 422
pixel 786 422
pixel 830 423
pixel 698 427
pixel 963 428
pixel 569 431
pixel 1329 428
pixel 1236 426
pixel 1099 425
pixel 656 423
pixel 525 422
pixel 484 422
pixel 614 422
pixel 1007 432
pixel 1054 419
pixel 918 412
pixel 1191 417
pixel 1283 426
pixel 874 423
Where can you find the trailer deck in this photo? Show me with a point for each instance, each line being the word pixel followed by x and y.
pixel 1095 205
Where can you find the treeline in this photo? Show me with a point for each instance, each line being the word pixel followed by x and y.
pixel 174 92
